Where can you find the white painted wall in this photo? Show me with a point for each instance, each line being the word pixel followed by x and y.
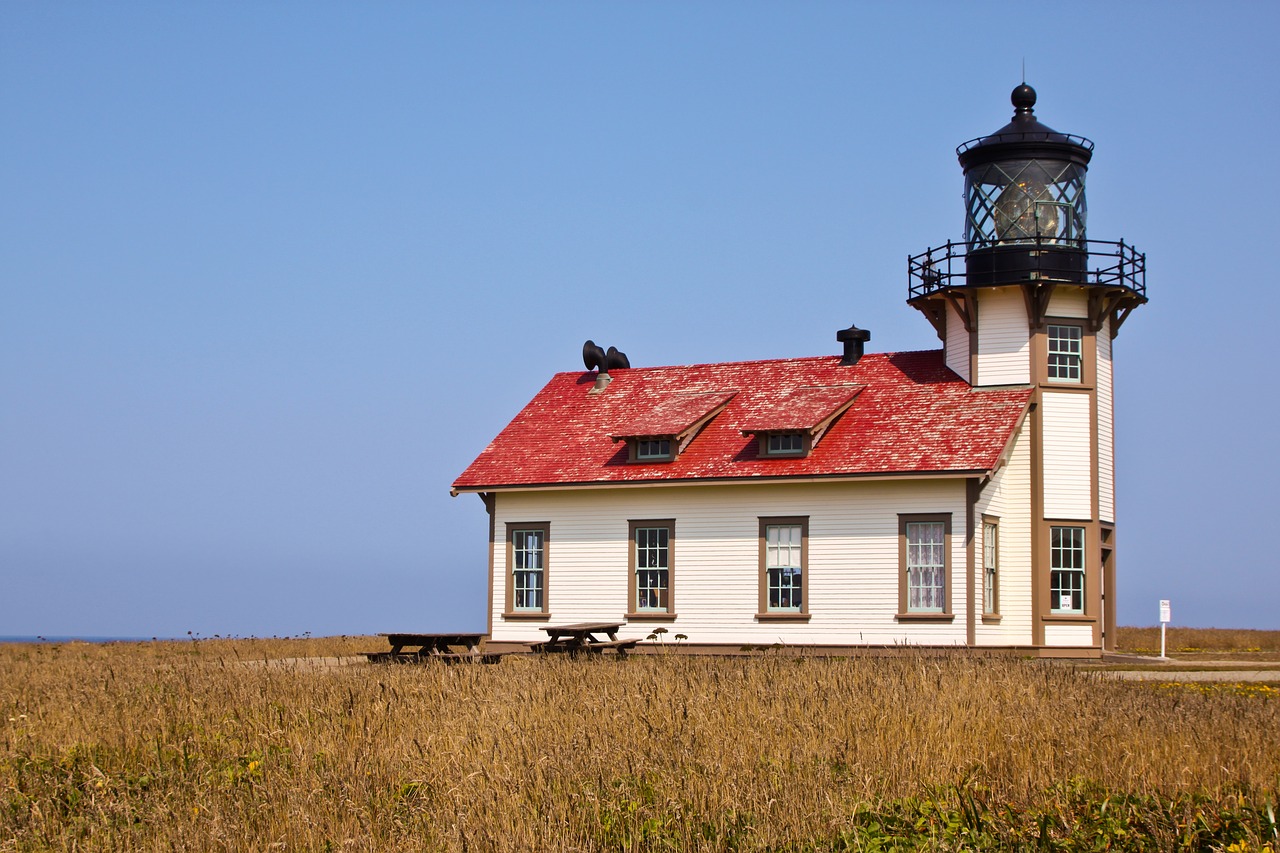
pixel 1106 428
pixel 1008 497
pixel 1067 455
pixel 853 559
pixel 1068 635
pixel 1004 339
pixel 957 344
pixel 1069 302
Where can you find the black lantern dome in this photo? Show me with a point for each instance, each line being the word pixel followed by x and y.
pixel 1025 215
pixel 1025 182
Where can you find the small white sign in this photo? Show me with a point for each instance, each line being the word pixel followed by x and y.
pixel 1164 611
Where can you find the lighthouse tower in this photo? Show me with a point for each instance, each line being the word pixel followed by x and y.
pixel 1028 299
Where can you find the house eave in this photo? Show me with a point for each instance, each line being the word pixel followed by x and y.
pixel 950 474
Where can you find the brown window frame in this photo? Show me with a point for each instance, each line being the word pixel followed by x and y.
pixel 633 450
pixel 1088 354
pixel 764 614
pixel 510 612
pixel 947 613
pixel 806 445
pixel 634 614
pixel 1084 611
pixel 992 615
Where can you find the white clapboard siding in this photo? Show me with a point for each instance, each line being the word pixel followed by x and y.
pixel 852 572
pixel 1069 303
pixel 1067 456
pixel 1004 343
pixel 1106 428
pixel 1008 497
pixel 1068 635
pixel 957 348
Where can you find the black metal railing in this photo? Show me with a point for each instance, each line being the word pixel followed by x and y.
pixel 1044 259
pixel 1026 136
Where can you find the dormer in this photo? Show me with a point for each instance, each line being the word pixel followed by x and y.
pixel 794 422
pixel 663 432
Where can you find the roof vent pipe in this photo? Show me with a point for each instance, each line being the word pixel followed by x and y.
pixel 853 338
pixel 596 358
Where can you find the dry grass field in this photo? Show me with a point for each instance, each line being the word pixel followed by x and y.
pixel 1193 643
pixel 289 745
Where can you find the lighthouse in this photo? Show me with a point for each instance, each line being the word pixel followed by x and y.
pixel 1028 298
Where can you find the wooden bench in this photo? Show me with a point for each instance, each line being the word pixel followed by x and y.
pixel 416 648
pixel 619 646
pixel 581 638
pixel 443 657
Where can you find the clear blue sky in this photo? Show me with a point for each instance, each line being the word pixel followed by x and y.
pixel 272 274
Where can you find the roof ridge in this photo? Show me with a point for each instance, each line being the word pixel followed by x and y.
pixel 870 355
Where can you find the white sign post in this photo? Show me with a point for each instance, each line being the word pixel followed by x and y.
pixel 1164 620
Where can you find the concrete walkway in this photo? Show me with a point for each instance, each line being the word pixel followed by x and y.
pixel 1229 675
pixel 1177 671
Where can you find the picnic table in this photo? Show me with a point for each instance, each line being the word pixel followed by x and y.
pixel 588 637
pixel 442 647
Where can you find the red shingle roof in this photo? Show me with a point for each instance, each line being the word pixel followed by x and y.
pixel 671 416
pixel 913 416
pixel 796 409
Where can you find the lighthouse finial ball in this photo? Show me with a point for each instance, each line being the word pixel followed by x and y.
pixel 1023 98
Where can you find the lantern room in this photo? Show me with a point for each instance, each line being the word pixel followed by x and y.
pixel 1024 199
pixel 1025 218
pixel 1025 183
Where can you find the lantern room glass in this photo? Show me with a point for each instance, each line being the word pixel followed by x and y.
pixel 1025 201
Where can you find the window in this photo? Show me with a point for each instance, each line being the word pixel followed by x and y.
pixel 528 548
pixel 784 558
pixel 527 569
pixel 1066 569
pixel 990 566
pixel 924 557
pixel 926 567
pixel 1065 353
pixel 649 588
pixel 653 449
pixel 785 444
pixel 1054 221
pixel 784 568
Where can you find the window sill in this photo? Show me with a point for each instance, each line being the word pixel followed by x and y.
pixel 1064 384
pixel 651 616
pixel 782 616
pixel 991 618
pixel 1069 617
pixel 925 617
pixel 526 616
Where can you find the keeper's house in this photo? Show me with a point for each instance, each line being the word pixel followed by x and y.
pixel 958 497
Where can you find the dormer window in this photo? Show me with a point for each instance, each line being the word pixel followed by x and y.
pixel 797 419
pixel 652 449
pixel 661 429
pixel 784 444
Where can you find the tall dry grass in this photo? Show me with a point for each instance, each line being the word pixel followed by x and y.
pixel 200 746
pixel 1198 640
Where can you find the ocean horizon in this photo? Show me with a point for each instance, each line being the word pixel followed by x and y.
pixel 78 638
